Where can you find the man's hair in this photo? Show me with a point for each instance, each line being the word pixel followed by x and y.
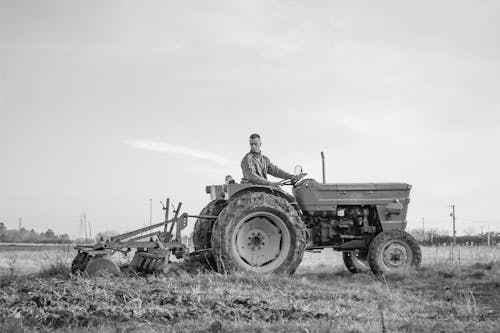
pixel 254 136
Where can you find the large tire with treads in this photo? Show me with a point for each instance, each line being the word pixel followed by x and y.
pixel 259 232
pixel 394 251
pixel 202 232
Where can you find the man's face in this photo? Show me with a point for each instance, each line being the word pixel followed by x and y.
pixel 255 145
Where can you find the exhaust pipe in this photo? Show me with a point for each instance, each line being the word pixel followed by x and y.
pixel 323 165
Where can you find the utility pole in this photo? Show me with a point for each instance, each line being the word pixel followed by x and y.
pixel 150 212
pixel 423 229
pixel 20 223
pixel 90 231
pixel 452 214
pixel 489 237
pixel 85 225
pixel 323 165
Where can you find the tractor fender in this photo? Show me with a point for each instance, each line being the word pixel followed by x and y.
pixel 237 190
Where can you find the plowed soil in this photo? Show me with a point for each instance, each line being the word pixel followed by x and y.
pixel 443 298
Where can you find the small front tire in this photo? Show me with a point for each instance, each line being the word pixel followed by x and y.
pixel 394 251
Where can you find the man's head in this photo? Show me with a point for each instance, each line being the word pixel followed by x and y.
pixel 255 143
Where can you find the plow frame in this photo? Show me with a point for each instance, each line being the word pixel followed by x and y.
pixel 153 249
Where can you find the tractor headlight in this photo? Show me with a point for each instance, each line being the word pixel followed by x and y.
pixel 229 179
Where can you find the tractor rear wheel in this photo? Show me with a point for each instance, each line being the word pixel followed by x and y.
pixel 355 261
pixel 202 232
pixel 394 251
pixel 259 232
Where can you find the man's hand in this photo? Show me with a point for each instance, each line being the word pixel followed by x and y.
pixel 296 178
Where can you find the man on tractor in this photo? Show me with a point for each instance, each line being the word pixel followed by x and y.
pixel 256 166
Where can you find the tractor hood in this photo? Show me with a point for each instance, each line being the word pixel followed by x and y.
pixel 314 196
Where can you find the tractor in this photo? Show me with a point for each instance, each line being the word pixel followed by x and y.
pixel 264 229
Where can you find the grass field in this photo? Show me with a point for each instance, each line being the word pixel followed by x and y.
pixel 37 293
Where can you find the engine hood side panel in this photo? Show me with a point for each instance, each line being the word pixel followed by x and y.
pixel 314 197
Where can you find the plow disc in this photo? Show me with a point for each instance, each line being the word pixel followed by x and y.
pixel 142 263
pixel 149 263
pixel 92 265
pixel 102 266
pixel 80 262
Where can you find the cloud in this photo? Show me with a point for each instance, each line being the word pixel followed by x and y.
pixel 164 147
pixel 129 50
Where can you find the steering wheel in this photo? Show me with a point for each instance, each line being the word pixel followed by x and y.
pixel 289 181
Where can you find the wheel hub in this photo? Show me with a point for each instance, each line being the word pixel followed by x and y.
pixel 396 256
pixel 256 240
pixel 259 240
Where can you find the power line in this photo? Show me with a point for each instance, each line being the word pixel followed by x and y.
pixel 477 221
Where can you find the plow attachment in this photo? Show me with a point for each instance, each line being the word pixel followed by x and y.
pixel 148 262
pixel 150 257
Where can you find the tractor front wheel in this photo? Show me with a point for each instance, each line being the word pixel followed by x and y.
pixel 259 232
pixel 394 251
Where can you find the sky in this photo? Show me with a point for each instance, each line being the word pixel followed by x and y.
pixel 106 104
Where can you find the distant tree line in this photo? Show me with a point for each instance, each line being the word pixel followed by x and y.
pixel 438 237
pixel 31 236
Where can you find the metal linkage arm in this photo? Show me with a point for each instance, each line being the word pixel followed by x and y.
pixel 152 234
pixel 137 232
pixel 151 227
pixel 208 217
pixel 181 224
pixel 119 245
pixel 180 221
pixel 175 217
